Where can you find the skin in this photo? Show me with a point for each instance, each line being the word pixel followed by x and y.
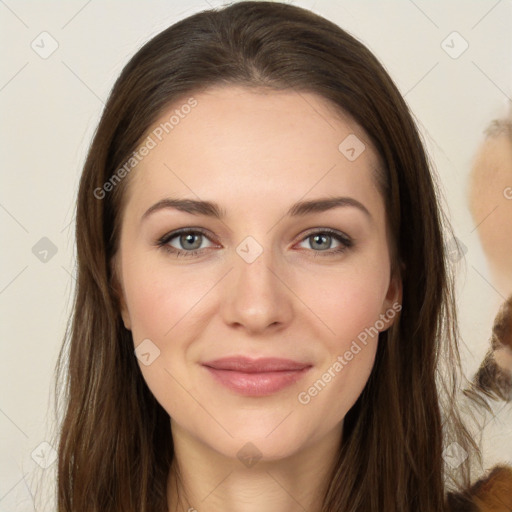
pixel 255 153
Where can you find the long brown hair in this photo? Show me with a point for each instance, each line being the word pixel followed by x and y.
pixel 115 445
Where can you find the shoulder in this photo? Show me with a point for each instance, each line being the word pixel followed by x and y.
pixel 491 493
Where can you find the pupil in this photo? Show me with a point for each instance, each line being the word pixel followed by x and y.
pixel 320 237
pixel 190 238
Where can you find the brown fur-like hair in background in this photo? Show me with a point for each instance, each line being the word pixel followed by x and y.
pixel 499 127
pixel 492 493
pixel 494 377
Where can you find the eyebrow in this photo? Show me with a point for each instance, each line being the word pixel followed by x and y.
pixel 212 209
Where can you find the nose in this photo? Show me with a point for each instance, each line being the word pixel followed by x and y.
pixel 256 296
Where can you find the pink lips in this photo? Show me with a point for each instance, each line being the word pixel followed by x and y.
pixel 256 377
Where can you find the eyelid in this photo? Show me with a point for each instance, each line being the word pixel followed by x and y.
pixel 177 232
pixel 330 231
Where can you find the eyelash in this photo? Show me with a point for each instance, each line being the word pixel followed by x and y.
pixel 163 242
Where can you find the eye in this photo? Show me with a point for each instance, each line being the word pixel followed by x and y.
pixel 321 240
pixel 188 239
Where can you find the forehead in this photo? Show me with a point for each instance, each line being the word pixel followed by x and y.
pixel 239 140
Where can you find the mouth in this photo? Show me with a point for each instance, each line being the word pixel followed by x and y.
pixel 256 377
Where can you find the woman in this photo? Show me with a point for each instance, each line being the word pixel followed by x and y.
pixel 258 369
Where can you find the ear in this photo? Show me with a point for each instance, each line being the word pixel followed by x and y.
pixel 392 303
pixel 119 292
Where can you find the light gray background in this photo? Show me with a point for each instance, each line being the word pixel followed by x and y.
pixel 50 108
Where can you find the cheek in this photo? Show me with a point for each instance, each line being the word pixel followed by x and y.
pixel 348 302
pixel 335 388
pixel 164 306
pixel 160 299
pixel 349 306
pixel 349 354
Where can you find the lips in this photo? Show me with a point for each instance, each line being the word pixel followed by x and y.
pixel 256 377
pixel 248 365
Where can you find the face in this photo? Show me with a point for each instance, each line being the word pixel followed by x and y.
pixel 262 280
